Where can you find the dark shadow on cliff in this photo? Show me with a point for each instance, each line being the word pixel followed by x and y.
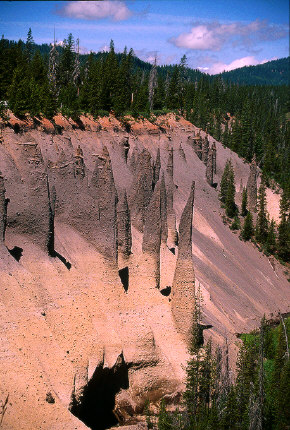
pixel 98 401
pixel 16 252
pixel 124 276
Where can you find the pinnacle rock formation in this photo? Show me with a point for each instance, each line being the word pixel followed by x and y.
pixel 163 203
pixel 34 214
pixel 51 236
pixel 124 227
pixel 3 209
pixel 156 169
pixel 198 146
pixel 210 168
pixel 214 157
pixel 134 159
pixel 171 217
pixel 152 234
pixel 183 288
pixel 82 318
pixel 79 167
pixel 103 186
pixel 252 186
pixel 205 149
pixel 181 152
pixel 125 146
pixel 142 189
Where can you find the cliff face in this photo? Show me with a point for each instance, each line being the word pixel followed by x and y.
pixel 103 240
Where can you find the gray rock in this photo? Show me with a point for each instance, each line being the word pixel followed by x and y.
pixel 183 288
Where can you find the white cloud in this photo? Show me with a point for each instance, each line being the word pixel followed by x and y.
pixel 104 48
pixel 200 37
pixel 213 36
pixel 93 10
pixel 220 67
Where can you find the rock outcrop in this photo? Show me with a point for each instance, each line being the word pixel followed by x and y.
pixel 142 189
pixel 102 335
pixel 214 157
pixel 210 167
pixel 183 288
pixel 125 146
pixel 3 209
pixel 103 186
pixel 79 165
pixel 156 169
pixel 171 217
pixel 124 227
pixel 152 236
pixel 205 149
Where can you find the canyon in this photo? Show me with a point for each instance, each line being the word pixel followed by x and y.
pixel 107 230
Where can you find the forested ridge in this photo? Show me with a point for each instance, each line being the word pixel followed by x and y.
pixel 248 119
pixel 256 399
pixel 275 72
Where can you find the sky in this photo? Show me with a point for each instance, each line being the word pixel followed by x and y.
pixel 215 35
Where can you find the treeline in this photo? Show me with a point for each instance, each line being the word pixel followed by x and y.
pixel 271 237
pixel 274 72
pixel 256 399
pixel 248 119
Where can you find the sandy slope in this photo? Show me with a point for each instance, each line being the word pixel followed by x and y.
pixel 58 325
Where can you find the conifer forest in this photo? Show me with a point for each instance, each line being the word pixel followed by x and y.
pixel 249 119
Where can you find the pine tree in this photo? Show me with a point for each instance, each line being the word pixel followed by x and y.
pixel 262 219
pixel 224 182
pixel 29 46
pixel 271 238
pixel 148 415
pixel 172 101
pixel 244 210
pixel 164 419
pixel 230 205
pixel 248 228
pixel 283 244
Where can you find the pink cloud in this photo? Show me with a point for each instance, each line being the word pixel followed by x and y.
pixel 214 36
pixel 93 10
pixel 220 67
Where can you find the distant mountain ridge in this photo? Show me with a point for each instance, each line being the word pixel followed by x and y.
pixel 274 72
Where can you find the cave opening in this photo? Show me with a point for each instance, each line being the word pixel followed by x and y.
pixel 16 252
pixel 166 291
pixel 124 276
pixel 97 404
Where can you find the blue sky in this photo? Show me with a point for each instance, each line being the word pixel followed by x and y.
pixel 215 35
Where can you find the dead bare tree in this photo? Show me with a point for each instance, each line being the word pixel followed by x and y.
pixel 152 83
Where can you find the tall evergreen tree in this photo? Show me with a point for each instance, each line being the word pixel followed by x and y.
pixel 248 228
pixel 262 218
pixel 230 205
pixel 244 209
pixel 29 46
pixel 224 182
pixel 271 238
pixel 283 244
